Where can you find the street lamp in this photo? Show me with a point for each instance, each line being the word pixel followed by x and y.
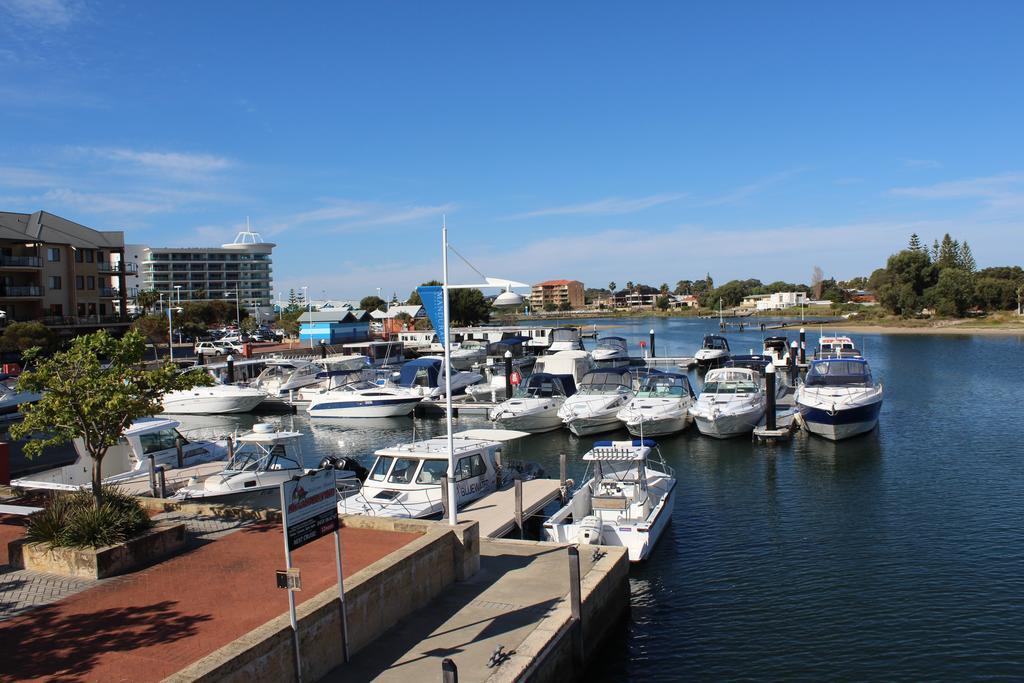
pixel 506 298
pixel 170 328
pixel 238 313
pixel 177 295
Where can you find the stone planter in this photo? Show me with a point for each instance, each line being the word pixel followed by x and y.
pixel 156 543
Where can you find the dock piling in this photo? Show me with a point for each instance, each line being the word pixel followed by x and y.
pixel 181 456
pixel 449 672
pixel 652 343
pixel 152 476
pixel 161 481
pixel 563 473
pixel 803 346
pixel 323 349
pixel 519 508
pixel 508 374
pixel 444 496
pixel 576 604
pixel 231 449
pixel 769 390
pixel 231 369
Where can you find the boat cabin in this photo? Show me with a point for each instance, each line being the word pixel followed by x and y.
pixel 836 347
pixel 731 381
pixel 613 344
pixel 516 345
pixel 285 374
pixel 379 352
pixel 265 449
pixel 754 361
pixel 544 385
pixel 838 372
pixel 422 372
pixel 715 342
pixel 574 363
pixel 665 385
pixel 607 381
pixel 565 339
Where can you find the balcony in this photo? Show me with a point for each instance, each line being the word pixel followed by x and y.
pixel 109 293
pixel 115 268
pixel 23 292
pixel 20 262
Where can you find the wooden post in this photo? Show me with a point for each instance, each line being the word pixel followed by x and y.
pixel 323 349
pixel 563 472
pixel 449 672
pixel 444 496
pixel 152 476
pixel 161 481
pixel 519 507
pixel 181 455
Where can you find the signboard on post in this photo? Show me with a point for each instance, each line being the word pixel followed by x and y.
pixel 432 297
pixel 310 507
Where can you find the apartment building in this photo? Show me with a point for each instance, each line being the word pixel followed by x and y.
pixel 61 272
pixel 240 269
pixel 557 293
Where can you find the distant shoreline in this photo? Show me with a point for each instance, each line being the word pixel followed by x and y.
pixel 965 329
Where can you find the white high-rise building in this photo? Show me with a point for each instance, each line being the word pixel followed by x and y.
pixel 207 273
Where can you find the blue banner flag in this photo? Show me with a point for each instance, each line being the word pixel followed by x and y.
pixel 433 304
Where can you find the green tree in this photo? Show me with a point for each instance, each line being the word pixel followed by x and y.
pixel 664 289
pixel 293 299
pixel 967 258
pixel 153 328
pixel 662 302
pixel 953 292
pixel 684 287
pixel 550 306
pixel 147 298
pixel 565 306
pixel 249 325
pixel 289 320
pixel 995 294
pixel 915 242
pixel 949 252
pixel 907 275
pixel 21 337
pixel 629 286
pixel 93 391
pixel 372 303
pixel 405 320
pixel 611 287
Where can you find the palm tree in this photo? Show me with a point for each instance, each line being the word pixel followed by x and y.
pixel 146 298
pixel 611 286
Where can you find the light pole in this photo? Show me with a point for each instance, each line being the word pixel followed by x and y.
pixel 506 298
pixel 309 313
pixel 177 295
pixel 238 313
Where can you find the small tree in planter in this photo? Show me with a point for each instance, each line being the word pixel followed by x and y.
pixel 94 391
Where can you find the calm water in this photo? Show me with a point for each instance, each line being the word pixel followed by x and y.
pixel 898 555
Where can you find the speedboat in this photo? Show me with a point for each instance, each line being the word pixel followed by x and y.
pixel 426 376
pixel 730 404
pixel 611 349
pixel 565 339
pixel 263 460
pixel 218 399
pixel 364 399
pixel 713 351
pixel 534 406
pixel 836 347
pixel 150 439
pixel 778 349
pixel 625 500
pixel 661 406
pixel 838 398
pixel 406 480
pixel 284 375
pixel 601 395
pixel 468 353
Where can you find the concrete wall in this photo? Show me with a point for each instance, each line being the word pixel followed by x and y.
pixel 376 597
pixel 549 652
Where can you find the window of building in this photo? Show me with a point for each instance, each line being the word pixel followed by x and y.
pixel 79 282
pixel 53 254
pixel 99 256
pixel 57 310
pixel 92 282
pixel 103 309
pixel 90 255
pixel 79 257
pixel 54 282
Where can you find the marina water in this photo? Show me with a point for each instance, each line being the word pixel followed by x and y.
pixel 898 555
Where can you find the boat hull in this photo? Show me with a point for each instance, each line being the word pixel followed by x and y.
pixel 212 405
pixel 658 426
pixel 727 426
pixel 536 422
pixel 841 423
pixel 594 424
pixel 368 408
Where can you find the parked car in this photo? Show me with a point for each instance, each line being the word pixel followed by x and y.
pixel 209 348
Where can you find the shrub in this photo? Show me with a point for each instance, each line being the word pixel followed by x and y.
pixel 74 521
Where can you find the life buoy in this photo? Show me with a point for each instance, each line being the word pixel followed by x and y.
pixel 516 378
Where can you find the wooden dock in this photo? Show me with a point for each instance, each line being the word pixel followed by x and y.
pixel 496 512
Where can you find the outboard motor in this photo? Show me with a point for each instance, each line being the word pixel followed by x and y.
pixel 589 531
pixel 346 464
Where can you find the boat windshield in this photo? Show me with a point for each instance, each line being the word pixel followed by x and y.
pixel 161 440
pixel 603 384
pixel 838 373
pixel 432 471
pixel 361 385
pixel 619 470
pixel 263 458
pixel 730 387
pixel 661 387
pixel 381 467
pixel 612 343
pixel 563 335
pixel 547 388
pixel 403 471
pixel 717 343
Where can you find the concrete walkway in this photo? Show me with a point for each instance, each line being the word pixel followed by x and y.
pixel 518 583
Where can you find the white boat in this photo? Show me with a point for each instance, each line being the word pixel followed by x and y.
pixel 129 459
pixel 534 406
pixel 836 346
pixel 838 398
pixel 492 388
pixel 405 480
pixel 218 399
pixel 731 403
pixel 468 353
pixel 565 339
pixel 284 375
pixel 778 349
pixel 263 460
pixel 713 351
pixel 601 394
pixel 661 406
pixel 11 399
pixel 626 499
pixel 364 399
pixel 426 376
pixel 611 350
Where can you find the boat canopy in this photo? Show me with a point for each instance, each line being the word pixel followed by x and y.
pixel 714 341
pixel 780 343
pixel 755 361
pixel 565 334
pixel 838 372
pixel 665 385
pixel 513 344
pixel 614 343
pixel 606 379
pixel 420 372
pixel 546 385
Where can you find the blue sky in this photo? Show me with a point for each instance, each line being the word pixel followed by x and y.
pixel 595 141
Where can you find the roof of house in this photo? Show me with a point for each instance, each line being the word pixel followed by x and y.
pixel 556 283
pixel 336 315
pixel 41 226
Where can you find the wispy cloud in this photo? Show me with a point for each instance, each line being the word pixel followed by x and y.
pixel 178 164
pixel 996 191
pixel 603 207
pixel 750 189
pixel 41 13
pixel 922 163
pixel 342 215
pixel 15 176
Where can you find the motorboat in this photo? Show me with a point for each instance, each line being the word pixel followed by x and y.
pixel 713 351
pixel 839 398
pixel 466 354
pixel 364 399
pixel 149 439
pixel 626 499
pixel 534 406
pixel 565 339
pixel 282 376
pixel 263 459
pixel 836 347
pixel 731 403
pixel 661 406
pixel 753 361
pixel 611 350
pixel 406 480
pixel 601 394
pixel 573 363
pixel 11 400
pixel 426 376
pixel 217 399
pixel 778 349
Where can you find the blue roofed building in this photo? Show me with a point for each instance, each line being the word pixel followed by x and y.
pixel 335 326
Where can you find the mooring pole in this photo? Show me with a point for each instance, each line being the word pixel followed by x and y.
pixel 449 672
pixel 575 603
pixel 803 346
pixel 769 390
pixel 652 342
pixel 519 507
pixel 444 495
pixel 152 476
pixel 231 449
pixel 563 473
pixel 323 349
pixel 231 369
pixel 161 480
pixel 508 375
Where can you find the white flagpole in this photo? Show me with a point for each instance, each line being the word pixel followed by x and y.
pixel 452 503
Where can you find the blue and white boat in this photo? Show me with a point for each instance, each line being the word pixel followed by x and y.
pixel 425 376
pixel 364 399
pixel 839 398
